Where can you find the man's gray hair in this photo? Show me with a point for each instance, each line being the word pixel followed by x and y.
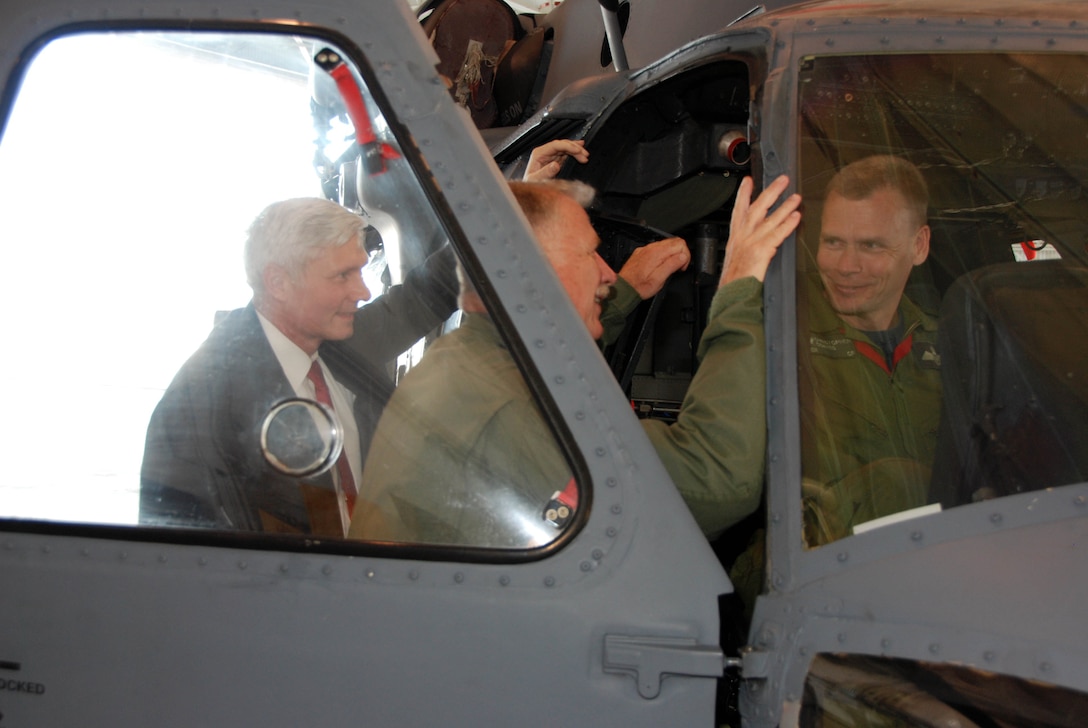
pixel 533 198
pixel 291 233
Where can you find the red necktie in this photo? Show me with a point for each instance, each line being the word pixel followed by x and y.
pixel 321 389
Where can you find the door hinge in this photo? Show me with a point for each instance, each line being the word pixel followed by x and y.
pixel 649 659
pixel 754 664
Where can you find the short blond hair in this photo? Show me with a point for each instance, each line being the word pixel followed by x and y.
pixel 858 180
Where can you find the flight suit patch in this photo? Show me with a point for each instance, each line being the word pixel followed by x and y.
pixel 927 356
pixel 837 348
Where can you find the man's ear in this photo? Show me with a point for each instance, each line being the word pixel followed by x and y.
pixel 276 281
pixel 921 245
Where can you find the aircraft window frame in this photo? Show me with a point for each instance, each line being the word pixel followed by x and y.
pixel 446 218
pixel 791 564
pixel 814 201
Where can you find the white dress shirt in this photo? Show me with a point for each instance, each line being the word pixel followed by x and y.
pixel 296 365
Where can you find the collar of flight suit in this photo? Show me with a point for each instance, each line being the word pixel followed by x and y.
pixel 832 337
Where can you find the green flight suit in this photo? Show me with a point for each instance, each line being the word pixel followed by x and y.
pixel 714 452
pixel 462 455
pixel 868 430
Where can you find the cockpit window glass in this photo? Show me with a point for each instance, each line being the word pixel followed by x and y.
pixel 942 282
pixel 223 264
pixel 463 455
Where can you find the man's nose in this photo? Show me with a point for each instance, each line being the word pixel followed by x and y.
pixel 608 276
pixel 361 292
pixel 849 260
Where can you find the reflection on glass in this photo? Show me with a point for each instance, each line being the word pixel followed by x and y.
pixel 302 437
pixel 851 691
pixel 938 348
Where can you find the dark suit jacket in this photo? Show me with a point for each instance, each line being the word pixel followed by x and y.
pixel 203 465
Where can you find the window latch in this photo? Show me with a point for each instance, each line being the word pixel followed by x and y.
pixel 649 659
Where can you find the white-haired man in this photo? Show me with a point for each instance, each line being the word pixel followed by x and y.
pixel 203 465
pixel 462 454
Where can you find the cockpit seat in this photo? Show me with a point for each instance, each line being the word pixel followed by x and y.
pixel 1014 348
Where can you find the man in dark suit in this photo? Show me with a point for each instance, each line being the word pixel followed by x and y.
pixel 203 465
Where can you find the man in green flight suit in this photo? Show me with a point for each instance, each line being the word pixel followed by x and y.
pixel 463 456
pixel 872 397
pixel 869 367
